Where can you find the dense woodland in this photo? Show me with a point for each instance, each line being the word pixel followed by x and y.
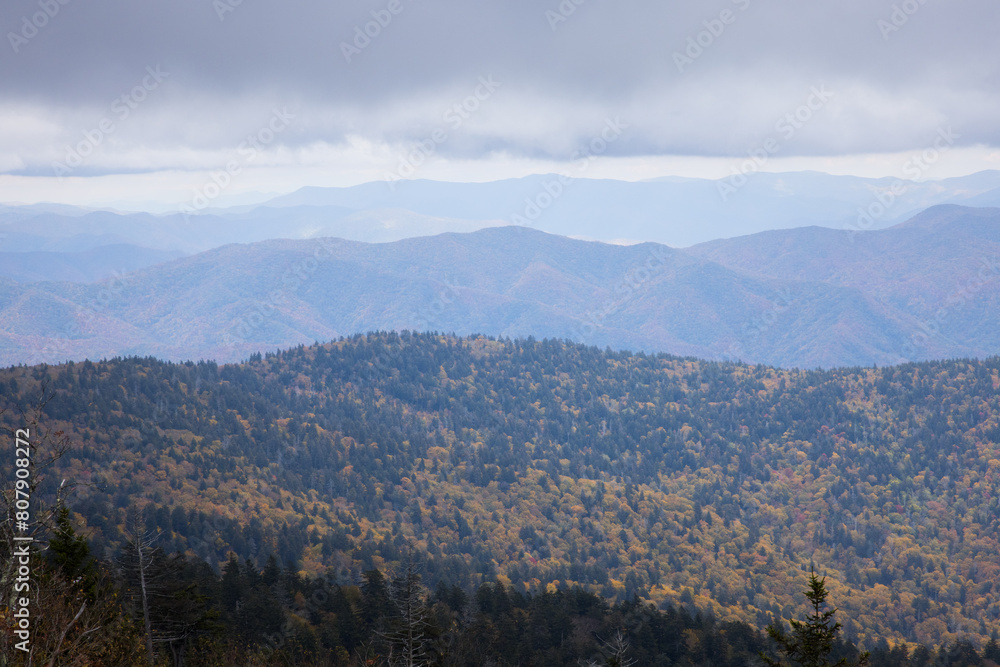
pixel 557 474
pixel 273 616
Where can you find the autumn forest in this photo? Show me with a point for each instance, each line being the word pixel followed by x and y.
pixel 530 502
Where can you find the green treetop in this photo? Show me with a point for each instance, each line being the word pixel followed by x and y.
pixel 811 641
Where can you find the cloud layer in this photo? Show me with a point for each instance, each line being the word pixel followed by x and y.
pixel 695 79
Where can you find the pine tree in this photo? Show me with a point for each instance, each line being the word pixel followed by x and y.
pixel 376 603
pixel 811 641
pixel 70 553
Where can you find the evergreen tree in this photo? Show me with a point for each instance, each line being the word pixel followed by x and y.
pixel 376 604
pixel 70 553
pixel 811 641
pixel 992 649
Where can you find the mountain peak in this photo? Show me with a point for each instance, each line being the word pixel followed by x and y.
pixel 946 214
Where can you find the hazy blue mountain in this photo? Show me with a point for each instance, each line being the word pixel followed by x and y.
pixel 990 198
pixel 674 211
pixel 370 225
pixel 677 212
pixel 805 297
pixel 946 235
pixel 940 271
pixel 38 230
pixel 86 266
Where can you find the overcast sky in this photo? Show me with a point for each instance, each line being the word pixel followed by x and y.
pixel 105 100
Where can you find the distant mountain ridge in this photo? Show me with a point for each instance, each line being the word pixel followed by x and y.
pixel 676 212
pixel 806 297
pixel 672 211
pixel 85 266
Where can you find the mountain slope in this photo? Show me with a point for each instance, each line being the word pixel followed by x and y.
pixel 940 271
pixel 806 297
pixel 714 486
pixel 236 300
pixel 84 266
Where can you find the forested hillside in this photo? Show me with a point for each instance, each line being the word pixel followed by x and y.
pixel 806 298
pixel 545 466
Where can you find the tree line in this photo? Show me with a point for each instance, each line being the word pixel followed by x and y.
pixel 148 608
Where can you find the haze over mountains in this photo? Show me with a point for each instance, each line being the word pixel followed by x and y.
pixel 674 211
pixel 803 297
pixel 83 266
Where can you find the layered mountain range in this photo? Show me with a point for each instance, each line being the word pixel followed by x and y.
pixel 806 297
pixel 678 212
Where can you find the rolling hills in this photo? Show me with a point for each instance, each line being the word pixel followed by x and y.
pixel 708 485
pixel 809 297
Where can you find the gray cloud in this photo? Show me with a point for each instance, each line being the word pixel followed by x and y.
pixel 894 83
